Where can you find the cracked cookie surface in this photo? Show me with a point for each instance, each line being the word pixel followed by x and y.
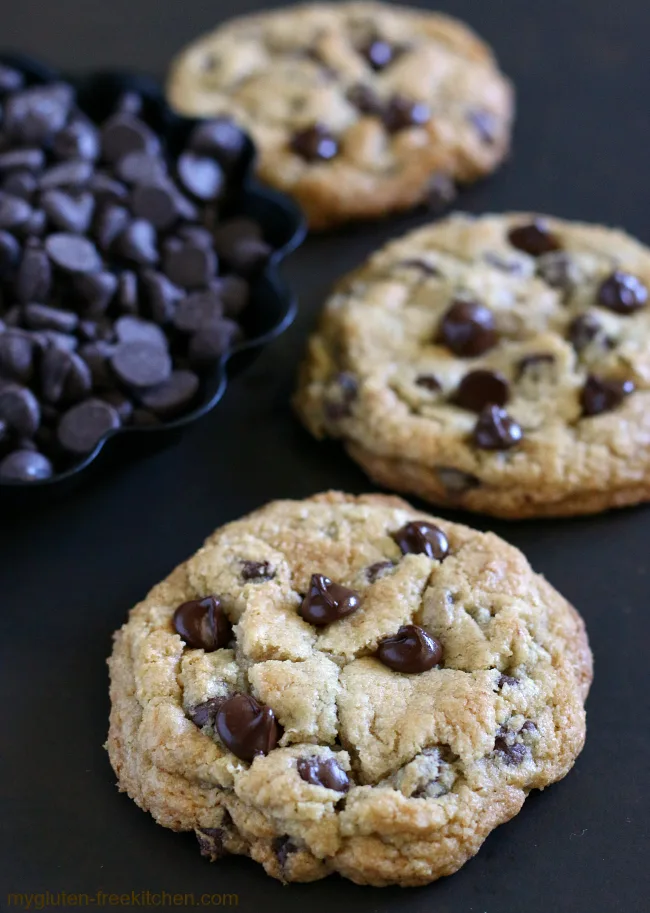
pixel 500 364
pixel 296 743
pixel 357 109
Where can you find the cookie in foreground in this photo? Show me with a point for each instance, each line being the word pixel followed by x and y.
pixel 500 364
pixel 345 684
pixel 357 109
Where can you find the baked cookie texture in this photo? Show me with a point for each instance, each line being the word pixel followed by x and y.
pixel 499 364
pixel 383 776
pixel 357 109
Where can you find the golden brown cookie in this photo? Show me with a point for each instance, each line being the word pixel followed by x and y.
pixel 347 685
pixel 500 364
pixel 358 109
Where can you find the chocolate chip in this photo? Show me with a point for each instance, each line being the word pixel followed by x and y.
pixel 239 244
pixel 495 430
pixel 428 381
pixel 482 388
pixel 212 341
pixel 210 840
pixel 507 680
pixel 106 189
pixel 327 602
pixel 109 224
pixel 411 650
pixel 315 143
pixel 34 115
pixel 602 395
pixel 44 317
pixel 161 294
pixel 124 133
pixel 257 570
pixel 583 330
pixel 325 772
pixel 534 238
pixel 529 727
pixel 119 402
pixel 16 355
pixel 155 204
pixel 189 265
pixel 34 276
pixel 97 356
pixel 64 376
pixel 379 53
pixel 200 176
pixel 204 714
pixel 173 396
pixel 25 466
pixel 196 310
pixel 19 409
pixel 533 364
pixel 219 138
pixel 622 293
pixel 14 211
pixel 365 100
pixel 422 538
pixel 141 364
pixel 129 103
pixel 74 174
pixel 96 291
pixel 82 427
pixel 28 159
pixel 68 213
pixel 203 624
pixel 558 270
pixel 485 123
pixel 72 253
pixel 468 329
pixel 455 481
pixel 133 329
pixel 79 140
pixel 138 243
pixel 401 113
pixel 510 754
pixel 127 292
pixel 246 727
pixel 141 167
pixel 377 570
pixel 283 848
pixel 9 252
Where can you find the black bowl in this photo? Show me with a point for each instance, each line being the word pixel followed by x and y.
pixel 272 306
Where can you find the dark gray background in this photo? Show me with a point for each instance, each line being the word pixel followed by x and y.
pixel 70 572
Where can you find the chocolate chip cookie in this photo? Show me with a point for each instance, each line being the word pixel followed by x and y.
pixel 499 364
pixel 347 685
pixel 358 109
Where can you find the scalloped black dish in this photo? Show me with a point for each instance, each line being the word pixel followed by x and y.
pixel 272 307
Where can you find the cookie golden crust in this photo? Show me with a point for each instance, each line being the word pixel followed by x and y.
pixel 402 96
pixel 385 776
pixel 545 321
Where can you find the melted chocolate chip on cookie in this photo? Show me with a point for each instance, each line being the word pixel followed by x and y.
pixel 495 430
pixel 468 329
pixel 325 772
pixel 411 650
pixel 327 601
pixel 600 394
pixel 315 143
pixel 246 727
pixel 534 239
pixel 482 388
pixel 202 624
pixel 622 293
pixel 422 538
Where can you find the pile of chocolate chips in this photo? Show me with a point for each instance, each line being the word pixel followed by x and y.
pixel 120 285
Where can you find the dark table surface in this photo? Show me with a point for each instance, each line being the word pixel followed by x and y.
pixel 70 572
